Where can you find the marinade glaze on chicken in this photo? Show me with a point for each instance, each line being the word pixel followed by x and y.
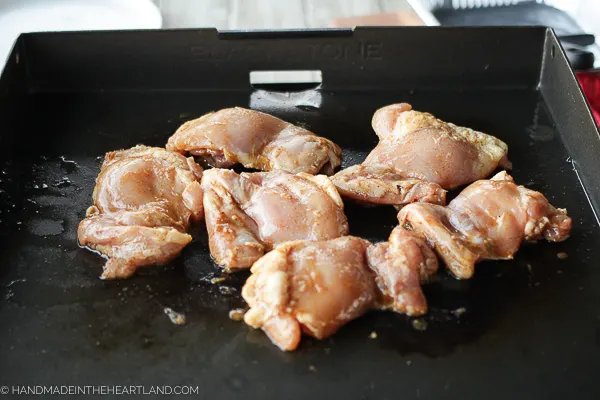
pixel 255 140
pixel 487 221
pixel 315 287
pixel 144 200
pixel 248 214
pixel 418 157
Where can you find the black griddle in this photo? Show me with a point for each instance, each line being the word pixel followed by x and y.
pixel 527 328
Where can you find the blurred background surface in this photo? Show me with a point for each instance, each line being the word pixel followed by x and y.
pixel 18 16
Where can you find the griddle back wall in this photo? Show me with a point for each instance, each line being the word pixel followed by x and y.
pixel 366 58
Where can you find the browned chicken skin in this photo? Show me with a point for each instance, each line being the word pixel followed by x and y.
pixel 418 156
pixel 255 140
pixel 144 200
pixel 248 214
pixel 488 220
pixel 315 287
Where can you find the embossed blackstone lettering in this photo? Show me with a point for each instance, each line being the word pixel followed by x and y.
pixel 330 51
pixel 335 51
pixel 373 51
pixel 199 53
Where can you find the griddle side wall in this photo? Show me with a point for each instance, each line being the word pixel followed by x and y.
pixel 572 117
pixel 13 98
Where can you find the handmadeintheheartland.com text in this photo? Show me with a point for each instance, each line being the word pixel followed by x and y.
pixel 97 390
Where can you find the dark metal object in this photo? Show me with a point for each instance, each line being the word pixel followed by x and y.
pixel 579 58
pixel 531 327
pixel 527 13
pixel 583 39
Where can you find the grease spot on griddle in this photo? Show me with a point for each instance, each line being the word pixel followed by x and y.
pixel 63 182
pixel 541 133
pixel 68 166
pixel 307 108
pixel 175 317
pixel 352 157
pixel 236 382
pixel 48 200
pixel 46 227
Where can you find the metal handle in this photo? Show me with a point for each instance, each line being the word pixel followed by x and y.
pixel 583 39
pixel 284 34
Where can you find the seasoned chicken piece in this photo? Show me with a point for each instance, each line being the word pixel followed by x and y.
pixel 423 151
pixel 255 140
pixel 144 201
pixel 311 287
pixel 315 287
pixel 378 184
pixel 400 265
pixel 248 214
pixel 488 220
pixel 423 147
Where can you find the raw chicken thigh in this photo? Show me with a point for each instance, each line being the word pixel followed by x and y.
pixel 315 287
pixel 248 214
pixel 311 287
pixel 255 140
pixel 378 184
pixel 424 147
pixel 144 201
pixel 488 220
pixel 417 157
pixel 400 265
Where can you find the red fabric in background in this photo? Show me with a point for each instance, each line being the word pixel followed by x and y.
pixel 590 83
